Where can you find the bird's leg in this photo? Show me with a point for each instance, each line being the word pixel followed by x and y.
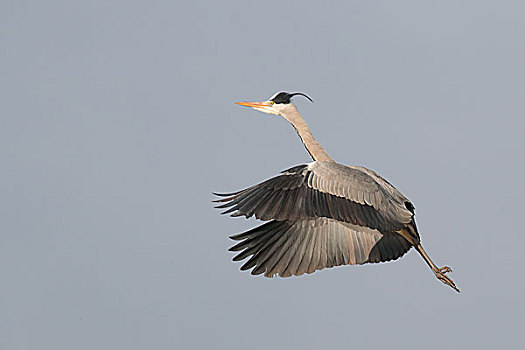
pixel 439 272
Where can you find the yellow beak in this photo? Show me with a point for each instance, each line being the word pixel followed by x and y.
pixel 253 104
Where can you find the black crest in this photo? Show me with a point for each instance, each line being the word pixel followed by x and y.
pixel 285 97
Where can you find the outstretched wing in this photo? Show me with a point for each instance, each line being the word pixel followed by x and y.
pixel 353 195
pixel 323 215
pixel 293 247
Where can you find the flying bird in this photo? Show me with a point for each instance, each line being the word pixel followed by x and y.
pixel 321 214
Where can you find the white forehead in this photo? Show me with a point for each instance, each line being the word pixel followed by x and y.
pixel 273 96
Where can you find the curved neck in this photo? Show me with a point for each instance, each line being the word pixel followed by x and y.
pixel 313 147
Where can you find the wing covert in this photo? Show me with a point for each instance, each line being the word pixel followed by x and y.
pixel 324 189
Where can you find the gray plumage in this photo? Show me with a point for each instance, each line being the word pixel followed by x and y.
pixel 325 189
pixel 321 214
pixel 295 247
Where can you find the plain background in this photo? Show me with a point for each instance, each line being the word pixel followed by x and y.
pixel 117 121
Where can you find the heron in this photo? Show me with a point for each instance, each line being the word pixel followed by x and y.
pixel 321 214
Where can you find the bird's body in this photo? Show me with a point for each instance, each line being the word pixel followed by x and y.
pixel 322 214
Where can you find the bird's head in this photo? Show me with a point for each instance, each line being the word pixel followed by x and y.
pixel 276 104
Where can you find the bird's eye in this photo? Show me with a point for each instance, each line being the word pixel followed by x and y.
pixel 271 103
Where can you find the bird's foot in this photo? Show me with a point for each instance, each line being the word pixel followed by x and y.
pixel 445 269
pixel 440 274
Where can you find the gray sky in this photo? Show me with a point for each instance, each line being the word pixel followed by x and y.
pixel 117 122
